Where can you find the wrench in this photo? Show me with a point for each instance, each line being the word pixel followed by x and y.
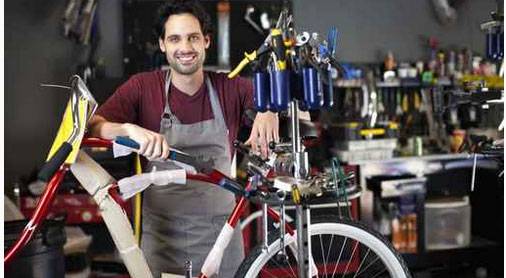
pixel 247 16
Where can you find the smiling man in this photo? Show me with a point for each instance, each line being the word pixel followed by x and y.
pixel 195 111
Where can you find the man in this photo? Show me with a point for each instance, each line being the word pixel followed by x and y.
pixel 196 112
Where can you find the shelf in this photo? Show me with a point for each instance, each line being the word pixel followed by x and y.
pixel 351 83
pixel 416 159
pixel 397 83
pixel 388 84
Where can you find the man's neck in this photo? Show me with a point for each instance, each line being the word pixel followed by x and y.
pixel 188 84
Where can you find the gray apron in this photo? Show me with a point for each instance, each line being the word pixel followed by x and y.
pixel 182 222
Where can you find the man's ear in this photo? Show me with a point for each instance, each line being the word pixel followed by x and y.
pixel 162 46
pixel 207 39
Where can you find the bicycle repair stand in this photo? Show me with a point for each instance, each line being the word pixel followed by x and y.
pixel 302 211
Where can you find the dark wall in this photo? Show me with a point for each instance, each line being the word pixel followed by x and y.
pixel 110 48
pixel 368 28
pixel 35 52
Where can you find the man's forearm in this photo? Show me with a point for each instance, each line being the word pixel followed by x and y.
pixel 100 127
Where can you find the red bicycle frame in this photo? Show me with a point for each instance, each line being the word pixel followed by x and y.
pixel 47 198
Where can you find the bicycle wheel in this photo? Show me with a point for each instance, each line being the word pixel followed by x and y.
pixel 340 248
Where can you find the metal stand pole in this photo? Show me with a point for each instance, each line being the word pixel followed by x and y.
pixel 302 211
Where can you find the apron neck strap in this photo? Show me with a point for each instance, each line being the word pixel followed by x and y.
pixel 213 97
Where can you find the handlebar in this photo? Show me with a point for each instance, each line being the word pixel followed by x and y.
pixel 50 167
pixel 238 145
pixel 127 142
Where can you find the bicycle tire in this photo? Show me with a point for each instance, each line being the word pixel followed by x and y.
pixel 258 259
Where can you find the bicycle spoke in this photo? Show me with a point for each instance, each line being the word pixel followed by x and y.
pixel 339 258
pixel 371 263
pixel 362 262
pixel 351 258
pixel 291 269
pixel 328 253
pixel 284 269
pixel 267 272
pixel 323 255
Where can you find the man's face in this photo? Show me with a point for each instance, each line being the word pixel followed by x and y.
pixel 184 43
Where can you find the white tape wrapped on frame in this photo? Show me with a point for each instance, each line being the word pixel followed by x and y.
pixel 97 182
pixel 213 261
pixel 130 186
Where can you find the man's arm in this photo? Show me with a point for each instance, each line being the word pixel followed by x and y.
pixel 98 126
pixel 265 126
pixel 152 145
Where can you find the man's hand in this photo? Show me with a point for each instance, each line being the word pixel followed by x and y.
pixel 265 129
pixel 152 144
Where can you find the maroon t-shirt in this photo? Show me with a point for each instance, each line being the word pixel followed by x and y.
pixel 141 101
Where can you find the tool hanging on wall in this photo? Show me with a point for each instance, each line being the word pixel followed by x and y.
pixel 250 10
pixel 78 20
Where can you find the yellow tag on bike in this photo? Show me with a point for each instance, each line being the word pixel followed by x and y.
pixel 66 128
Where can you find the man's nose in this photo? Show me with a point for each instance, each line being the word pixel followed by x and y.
pixel 187 45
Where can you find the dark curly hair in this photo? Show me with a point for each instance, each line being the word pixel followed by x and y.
pixel 179 7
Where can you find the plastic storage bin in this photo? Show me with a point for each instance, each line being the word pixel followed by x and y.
pixel 447 223
pixel 43 256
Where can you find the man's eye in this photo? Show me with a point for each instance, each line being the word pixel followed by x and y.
pixel 194 38
pixel 173 39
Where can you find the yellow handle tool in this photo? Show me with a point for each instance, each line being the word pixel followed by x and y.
pixel 296 194
pixel 248 57
pixel 279 48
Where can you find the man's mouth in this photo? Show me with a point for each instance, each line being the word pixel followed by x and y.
pixel 186 59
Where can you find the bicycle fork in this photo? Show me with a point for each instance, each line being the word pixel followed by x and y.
pixel 294 239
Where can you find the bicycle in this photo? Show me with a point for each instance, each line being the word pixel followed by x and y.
pixel 362 253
